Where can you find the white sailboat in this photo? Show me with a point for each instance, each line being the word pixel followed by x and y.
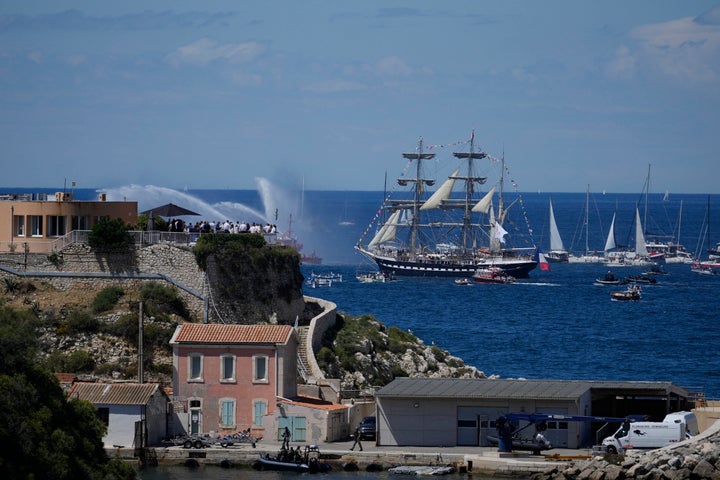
pixel 638 257
pixel 587 256
pixel 557 253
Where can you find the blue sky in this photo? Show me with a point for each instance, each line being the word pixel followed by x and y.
pixel 217 94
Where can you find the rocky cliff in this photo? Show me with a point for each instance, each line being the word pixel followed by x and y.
pixel 251 282
pixel 364 353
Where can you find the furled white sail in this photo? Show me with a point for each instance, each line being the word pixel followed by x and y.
pixel 555 240
pixel 483 206
pixel 640 247
pixel 610 242
pixel 387 232
pixel 442 193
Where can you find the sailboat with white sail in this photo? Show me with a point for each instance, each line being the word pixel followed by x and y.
pixel 638 257
pixel 664 246
pixel 557 253
pixel 448 233
pixel 588 256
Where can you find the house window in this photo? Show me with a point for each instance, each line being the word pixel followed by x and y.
pixel 260 373
pixel 79 222
pixel 227 412
pixel 19 226
pixel 227 368
pixel 259 410
pixel 56 225
pixel 195 367
pixel 36 225
pixel 103 414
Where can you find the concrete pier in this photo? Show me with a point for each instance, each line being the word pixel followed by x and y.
pixel 482 461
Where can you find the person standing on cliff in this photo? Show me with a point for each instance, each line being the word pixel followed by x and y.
pixel 357 439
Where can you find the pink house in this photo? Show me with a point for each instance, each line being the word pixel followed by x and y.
pixel 230 377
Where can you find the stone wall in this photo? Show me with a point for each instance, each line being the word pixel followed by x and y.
pixel 79 266
pixel 318 327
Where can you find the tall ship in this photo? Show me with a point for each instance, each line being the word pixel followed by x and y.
pixel 449 232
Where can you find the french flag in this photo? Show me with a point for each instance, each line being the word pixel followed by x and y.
pixel 544 264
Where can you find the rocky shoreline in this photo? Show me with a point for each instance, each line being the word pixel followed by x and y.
pixel 696 458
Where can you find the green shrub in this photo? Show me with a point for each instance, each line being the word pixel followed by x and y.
pixel 11 285
pixel 439 353
pixel 159 301
pixel 78 361
pixel 106 299
pixel 80 321
pixel 109 234
pixel 124 327
pixel 210 243
pixel 325 358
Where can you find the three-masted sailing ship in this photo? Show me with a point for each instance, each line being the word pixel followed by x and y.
pixel 447 233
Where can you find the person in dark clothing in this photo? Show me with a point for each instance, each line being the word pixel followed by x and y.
pixel 286 438
pixel 357 439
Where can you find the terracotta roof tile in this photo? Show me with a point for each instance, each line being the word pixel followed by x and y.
pixel 221 333
pixel 315 403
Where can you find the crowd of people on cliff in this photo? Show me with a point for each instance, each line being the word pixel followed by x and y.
pixel 180 226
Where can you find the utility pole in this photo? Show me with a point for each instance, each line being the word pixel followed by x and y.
pixel 141 373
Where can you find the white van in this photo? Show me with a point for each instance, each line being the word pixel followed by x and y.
pixel 675 427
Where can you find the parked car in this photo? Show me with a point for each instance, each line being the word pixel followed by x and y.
pixel 367 428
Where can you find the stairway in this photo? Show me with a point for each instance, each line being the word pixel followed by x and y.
pixel 302 358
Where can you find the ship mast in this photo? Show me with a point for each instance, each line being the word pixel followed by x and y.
pixel 470 181
pixel 420 183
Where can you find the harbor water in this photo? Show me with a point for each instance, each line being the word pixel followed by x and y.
pixel 554 325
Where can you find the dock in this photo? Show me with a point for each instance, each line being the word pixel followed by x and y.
pixel 485 461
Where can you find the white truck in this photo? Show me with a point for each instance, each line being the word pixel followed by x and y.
pixel 675 427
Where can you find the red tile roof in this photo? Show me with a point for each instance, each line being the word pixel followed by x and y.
pixel 221 333
pixel 66 377
pixel 114 393
pixel 315 403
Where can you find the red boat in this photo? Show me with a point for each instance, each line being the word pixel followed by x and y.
pixel 492 275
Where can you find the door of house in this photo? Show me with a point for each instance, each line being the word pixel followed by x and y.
pixel 297 427
pixel 195 407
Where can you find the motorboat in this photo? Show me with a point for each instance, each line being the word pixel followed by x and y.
pixel 463 281
pixel 289 460
pixel 610 279
pixel 492 275
pixel 642 278
pixel 632 293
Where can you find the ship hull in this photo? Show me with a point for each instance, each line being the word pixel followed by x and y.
pixel 518 268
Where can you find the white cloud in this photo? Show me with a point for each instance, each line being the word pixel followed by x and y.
pixel 387 67
pixel 334 86
pixel 204 51
pixel 685 50
pixel 622 64
pixel 247 79
pixel 75 60
pixel 36 56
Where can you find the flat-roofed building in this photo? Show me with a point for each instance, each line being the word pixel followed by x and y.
pixel 454 412
pixel 34 222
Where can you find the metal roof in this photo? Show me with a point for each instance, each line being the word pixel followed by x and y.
pixel 114 393
pixel 511 389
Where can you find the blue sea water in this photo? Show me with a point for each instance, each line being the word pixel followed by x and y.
pixel 554 325
pixel 557 324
